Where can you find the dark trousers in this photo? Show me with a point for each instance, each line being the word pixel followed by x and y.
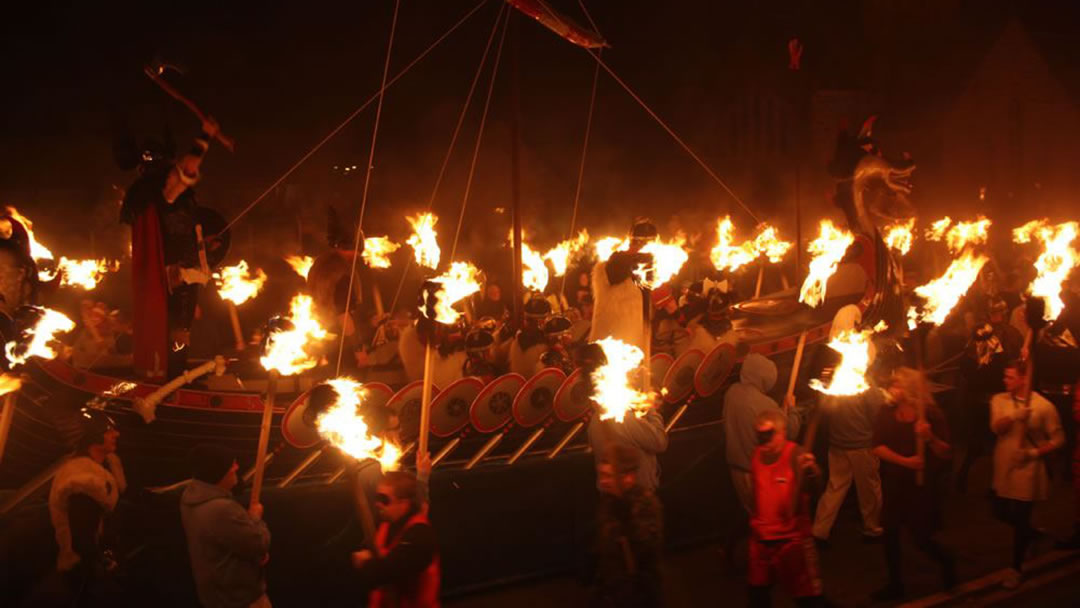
pixel 1017 513
pixel 924 541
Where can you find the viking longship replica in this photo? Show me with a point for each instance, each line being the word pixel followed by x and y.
pixel 511 462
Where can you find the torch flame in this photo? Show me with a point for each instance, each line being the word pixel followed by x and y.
pixel 944 293
pixel 727 256
pixel 237 285
pixel 377 249
pixel 344 428
pixel 900 235
pixel 534 272
pixel 301 264
pixel 613 391
pixel 1055 262
pixel 83 273
pixel 609 245
pixel 668 260
pixel 35 341
pixel 766 242
pixel 937 230
pixel 963 234
pixel 39 252
pixel 285 347
pixel 849 377
pixel 423 240
pixel 9 384
pixel 560 255
pixel 827 251
pixel 458 282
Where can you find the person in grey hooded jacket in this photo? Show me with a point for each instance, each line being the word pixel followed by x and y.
pixel 227 544
pixel 743 402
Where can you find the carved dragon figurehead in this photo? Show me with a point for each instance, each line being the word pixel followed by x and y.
pixel 879 188
pixel 880 193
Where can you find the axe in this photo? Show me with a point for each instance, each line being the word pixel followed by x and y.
pixel 155 72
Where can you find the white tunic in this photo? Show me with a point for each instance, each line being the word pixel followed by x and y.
pixel 1023 480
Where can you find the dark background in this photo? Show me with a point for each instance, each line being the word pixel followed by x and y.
pixel 983 94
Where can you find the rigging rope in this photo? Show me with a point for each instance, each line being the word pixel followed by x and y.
pixel 673 135
pixel 367 183
pixel 354 114
pixel 657 118
pixel 479 137
pixel 453 142
pixel 581 167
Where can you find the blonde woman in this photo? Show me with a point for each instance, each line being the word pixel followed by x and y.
pixel 907 504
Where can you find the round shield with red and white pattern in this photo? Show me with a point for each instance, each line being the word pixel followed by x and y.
pixel 536 399
pixel 493 407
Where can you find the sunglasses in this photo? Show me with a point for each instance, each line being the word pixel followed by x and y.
pixel 383 499
pixel 765 436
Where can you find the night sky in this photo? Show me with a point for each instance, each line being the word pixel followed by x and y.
pixel 278 76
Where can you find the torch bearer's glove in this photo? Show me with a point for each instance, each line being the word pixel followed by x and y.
pixel 193 276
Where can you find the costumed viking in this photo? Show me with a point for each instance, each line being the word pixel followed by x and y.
pixel 559 341
pixel 84 492
pixel 169 260
pixel 479 345
pixel 530 342
pixel 448 340
pixel 619 307
pixel 328 282
pixel 18 275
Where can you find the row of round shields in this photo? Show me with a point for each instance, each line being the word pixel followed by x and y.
pixel 511 399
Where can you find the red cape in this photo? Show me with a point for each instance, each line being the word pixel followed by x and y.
pixel 150 323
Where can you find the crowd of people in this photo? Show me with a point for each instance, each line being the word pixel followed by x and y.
pixel 892 441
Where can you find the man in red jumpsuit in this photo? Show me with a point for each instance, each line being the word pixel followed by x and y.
pixel 781 545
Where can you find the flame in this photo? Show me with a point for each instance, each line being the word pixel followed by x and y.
pixel 849 377
pixel 389 456
pixel 376 251
pixel 534 272
pixel 560 255
pixel 301 264
pixel 766 242
pixel 35 341
pixel 727 256
pixel 285 352
pixel 458 282
pixel 609 245
pixel 39 252
pixel 613 391
pixel 963 234
pixel 944 293
pixel 237 285
pixel 668 260
pixel 1055 262
pixel 423 240
pixel 900 235
pixel 344 428
pixel 9 383
pixel 827 251
pixel 937 230
pixel 83 273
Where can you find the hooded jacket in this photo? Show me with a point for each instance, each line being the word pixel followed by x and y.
pixel 226 547
pixel 646 433
pixel 742 404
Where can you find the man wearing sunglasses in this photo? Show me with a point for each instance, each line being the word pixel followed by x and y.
pixel 404 568
pixel 781 547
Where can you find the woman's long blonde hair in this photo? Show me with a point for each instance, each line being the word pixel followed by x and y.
pixel 913 386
